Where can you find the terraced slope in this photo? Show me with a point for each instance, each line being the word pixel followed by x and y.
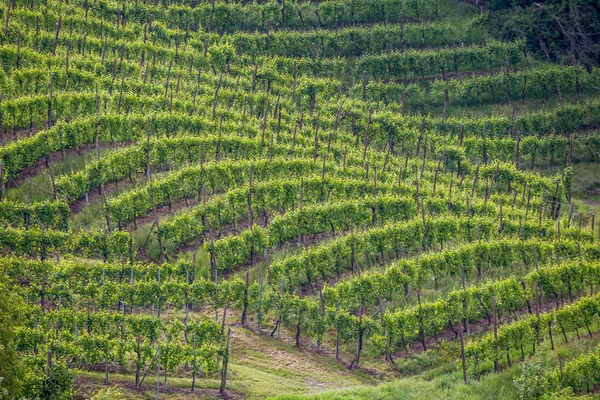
pixel 189 190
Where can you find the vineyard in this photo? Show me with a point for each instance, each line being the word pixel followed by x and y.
pixel 294 199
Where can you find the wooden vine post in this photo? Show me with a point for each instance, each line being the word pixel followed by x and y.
pixel 495 322
pixel 246 302
pixel 366 138
pixel 1 181
pixel 462 351
pixel 225 365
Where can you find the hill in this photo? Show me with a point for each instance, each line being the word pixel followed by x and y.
pixel 326 199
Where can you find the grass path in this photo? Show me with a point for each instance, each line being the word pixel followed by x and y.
pixel 261 367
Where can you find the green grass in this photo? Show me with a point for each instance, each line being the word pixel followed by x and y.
pixel 88 383
pixel 261 366
pixel 39 187
pixel 502 108
pixel 457 11
pixel 585 191
pixel 445 381
pixel 444 387
pixel 264 367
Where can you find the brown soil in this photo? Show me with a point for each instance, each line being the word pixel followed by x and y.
pixel 78 205
pixel 228 229
pixel 6 137
pixel 479 327
pixel 39 165
pixel 165 210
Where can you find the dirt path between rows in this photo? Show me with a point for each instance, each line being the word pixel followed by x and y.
pixel 482 326
pixel 41 164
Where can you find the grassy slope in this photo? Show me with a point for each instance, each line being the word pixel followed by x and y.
pixel 267 367
pixel 261 367
pixel 445 382
pixel 585 188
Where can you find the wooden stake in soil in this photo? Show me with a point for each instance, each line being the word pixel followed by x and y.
pixel 160 242
pixel 316 149
pixel 462 351
pixel 121 91
pixel 1 181
pixel 295 72
pixel 148 168
pixel 259 315
pixel 52 181
pixel 214 110
pixel 56 36
pixel 50 102
pixel 495 315
pixel 278 327
pixel 465 304
pixel 517 150
pixel 49 364
pixel 250 218
pixel 194 366
pixel 403 102
pixel 158 373
pixel 245 308
pixel 501 227
pixel 67 58
pixel 8 18
pixel 366 138
pixel 225 364
pixel 475 181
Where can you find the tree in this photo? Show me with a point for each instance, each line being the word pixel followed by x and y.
pixel 565 31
